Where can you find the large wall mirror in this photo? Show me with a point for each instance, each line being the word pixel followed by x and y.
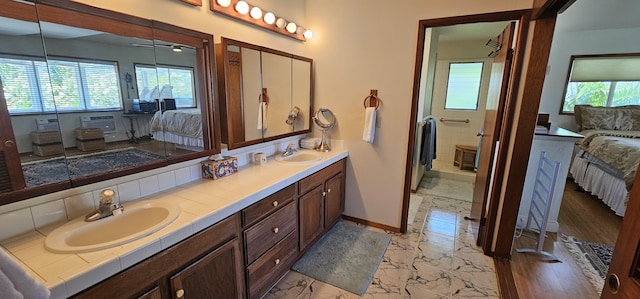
pixel 264 94
pixel 90 94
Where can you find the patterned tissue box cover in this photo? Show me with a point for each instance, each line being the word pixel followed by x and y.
pixel 217 169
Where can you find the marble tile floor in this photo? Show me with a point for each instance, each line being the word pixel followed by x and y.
pixel 436 258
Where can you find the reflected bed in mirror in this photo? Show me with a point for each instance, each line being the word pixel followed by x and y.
pixel 107 95
pixel 265 94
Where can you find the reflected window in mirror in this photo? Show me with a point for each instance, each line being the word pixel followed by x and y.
pixel 71 86
pixel 602 80
pixel 166 82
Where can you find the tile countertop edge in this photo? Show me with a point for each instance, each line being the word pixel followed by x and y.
pixel 87 277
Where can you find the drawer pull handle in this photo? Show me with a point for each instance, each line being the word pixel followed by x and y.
pixel 277 261
pixel 275 203
pixel 329 190
pixel 275 230
pixel 324 193
pixel 180 293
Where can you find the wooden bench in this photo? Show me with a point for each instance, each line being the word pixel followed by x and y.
pixel 465 156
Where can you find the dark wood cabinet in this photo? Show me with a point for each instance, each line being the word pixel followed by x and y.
pixel 321 202
pixel 209 277
pixel 153 294
pixel 334 199
pixel 243 255
pixel 206 265
pixel 311 206
pixel 271 240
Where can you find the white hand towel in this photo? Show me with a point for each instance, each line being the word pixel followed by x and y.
pixel 15 282
pixel 369 124
pixel 262 116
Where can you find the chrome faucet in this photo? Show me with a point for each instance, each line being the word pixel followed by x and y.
pixel 107 206
pixel 291 148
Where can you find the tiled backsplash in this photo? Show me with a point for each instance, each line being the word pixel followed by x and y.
pixel 65 205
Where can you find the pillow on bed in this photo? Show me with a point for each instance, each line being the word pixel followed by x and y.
pixel 599 118
pixel 628 120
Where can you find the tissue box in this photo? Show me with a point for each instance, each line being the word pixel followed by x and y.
pixel 217 169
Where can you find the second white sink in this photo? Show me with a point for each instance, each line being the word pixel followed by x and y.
pixel 138 219
pixel 301 157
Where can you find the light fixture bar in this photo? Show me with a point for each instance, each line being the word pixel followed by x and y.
pixel 228 8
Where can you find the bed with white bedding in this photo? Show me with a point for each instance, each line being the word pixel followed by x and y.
pixel 607 159
pixel 182 126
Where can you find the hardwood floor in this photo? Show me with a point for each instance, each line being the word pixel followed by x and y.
pixel 582 216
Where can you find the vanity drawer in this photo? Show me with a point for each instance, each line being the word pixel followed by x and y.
pixel 319 177
pixel 271 266
pixel 273 202
pixel 262 236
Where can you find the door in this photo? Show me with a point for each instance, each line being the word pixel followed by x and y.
pixel 624 271
pixel 11 177
pixel 496 98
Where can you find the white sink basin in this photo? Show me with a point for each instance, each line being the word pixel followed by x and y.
pixel 301 157
pixel 138 219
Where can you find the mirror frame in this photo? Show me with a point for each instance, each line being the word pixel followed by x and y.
pixel 85 16
pixel 229 121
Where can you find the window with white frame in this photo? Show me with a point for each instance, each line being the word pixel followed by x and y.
pixel 161 82
pixel 463 85
pixel 603 81
pixel 36 86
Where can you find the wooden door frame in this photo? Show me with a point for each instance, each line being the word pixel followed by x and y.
pixel 522 16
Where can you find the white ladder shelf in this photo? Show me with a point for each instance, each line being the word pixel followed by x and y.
pixel 541 204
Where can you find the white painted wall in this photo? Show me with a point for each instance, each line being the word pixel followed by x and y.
pixel 587 27
pixel 358 45
pixel 362 45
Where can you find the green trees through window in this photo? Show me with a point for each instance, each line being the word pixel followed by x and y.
pixel 602 93
pixel 59 85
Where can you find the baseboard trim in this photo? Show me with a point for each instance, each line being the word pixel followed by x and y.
pixel 371 223
pixel 506 282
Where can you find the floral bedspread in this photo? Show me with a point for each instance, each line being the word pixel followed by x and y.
pixel 183 122
pixel 619 149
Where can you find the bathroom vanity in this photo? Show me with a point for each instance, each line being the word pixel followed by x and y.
pixel 235 237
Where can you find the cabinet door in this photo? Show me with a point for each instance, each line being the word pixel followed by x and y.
pixel 152 294
pixel 311 207
pixel 334 199
pixel 218 274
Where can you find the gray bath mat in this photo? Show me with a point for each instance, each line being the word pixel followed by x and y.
pixel 347 256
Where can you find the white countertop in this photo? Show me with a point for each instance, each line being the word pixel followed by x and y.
pixel 203 204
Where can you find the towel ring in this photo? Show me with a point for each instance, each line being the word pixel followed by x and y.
pixel 371 101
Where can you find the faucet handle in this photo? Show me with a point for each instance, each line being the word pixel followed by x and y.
pixel 107 196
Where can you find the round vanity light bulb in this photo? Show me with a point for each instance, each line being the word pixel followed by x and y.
pixel 280 22
pixel 291 27
pixel 256 12
pixel 224 3
pixel 242 7
pixel 308 34
pixel 269 18
pixel 300 30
